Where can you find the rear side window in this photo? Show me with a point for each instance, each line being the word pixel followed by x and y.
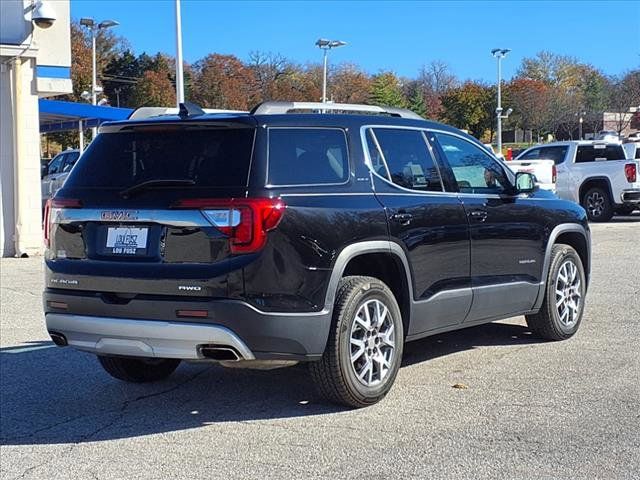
pixel 408 161
pixel 56 164
pixel 594 153
pixel 307 156
pixel 70 160
pixel 209 157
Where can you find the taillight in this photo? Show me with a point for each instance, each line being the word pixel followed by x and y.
pixel 46 226
pixel 245 220
pixel 630 172
pixel 554 174
pixel 50 205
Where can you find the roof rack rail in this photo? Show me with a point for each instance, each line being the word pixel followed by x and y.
pixel 275 108
pixel 191 110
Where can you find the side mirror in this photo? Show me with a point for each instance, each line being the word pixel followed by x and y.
pixel 525 182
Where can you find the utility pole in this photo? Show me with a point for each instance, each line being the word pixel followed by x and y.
pixel 326 45
pixel 179 71
pixel 499 54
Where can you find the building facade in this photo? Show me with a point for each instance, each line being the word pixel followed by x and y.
pixel 35 62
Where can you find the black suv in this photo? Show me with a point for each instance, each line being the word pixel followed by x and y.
pixel 323 233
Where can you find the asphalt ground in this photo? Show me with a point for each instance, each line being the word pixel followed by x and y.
pixel 531 409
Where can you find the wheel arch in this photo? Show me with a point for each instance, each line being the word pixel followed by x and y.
pixel 590 182
pixel 381 259
pixel 575 235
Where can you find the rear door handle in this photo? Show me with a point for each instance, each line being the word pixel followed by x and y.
pixel 478 215
pixel 403 218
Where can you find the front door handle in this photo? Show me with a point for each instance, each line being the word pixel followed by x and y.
pixel 478 215
pixel 402 217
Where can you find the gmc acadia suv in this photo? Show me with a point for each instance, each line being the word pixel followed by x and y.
pixel 321 233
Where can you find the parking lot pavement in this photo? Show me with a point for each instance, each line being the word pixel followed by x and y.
pixel 532 409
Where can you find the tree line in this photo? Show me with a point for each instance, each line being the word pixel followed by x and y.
pixel 548 94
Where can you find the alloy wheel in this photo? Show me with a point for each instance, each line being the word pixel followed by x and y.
pixel 568 294
pixel 373 342
pixel 595 204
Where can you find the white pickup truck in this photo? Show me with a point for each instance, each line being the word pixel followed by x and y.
pixel 594 174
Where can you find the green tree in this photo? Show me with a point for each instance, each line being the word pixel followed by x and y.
pixel 387 90
pixel 470 107
pixel 417 103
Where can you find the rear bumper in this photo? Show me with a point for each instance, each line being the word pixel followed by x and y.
pixel 143 338
pixel 631 197
pixel 147 326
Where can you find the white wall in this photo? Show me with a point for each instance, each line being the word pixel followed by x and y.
pixel 20 160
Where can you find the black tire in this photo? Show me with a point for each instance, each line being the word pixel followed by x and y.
pixel 597 202
pixel 335 375
pixel 138 370
pixel 548 322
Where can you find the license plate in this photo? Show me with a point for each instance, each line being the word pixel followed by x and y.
pixel 126 240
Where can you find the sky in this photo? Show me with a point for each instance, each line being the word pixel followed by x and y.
pixel 381 35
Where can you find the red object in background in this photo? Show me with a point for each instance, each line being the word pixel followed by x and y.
pixel 509 153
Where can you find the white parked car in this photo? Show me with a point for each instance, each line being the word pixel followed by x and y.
pixel 632 150
pixel 57 172
pixel 597 175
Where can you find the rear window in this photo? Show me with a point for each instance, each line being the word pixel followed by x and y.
pixel 307 156
pixel 208 157
pixel 594 153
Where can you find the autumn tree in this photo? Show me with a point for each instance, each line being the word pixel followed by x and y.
pixel 223 81
pixel 529 99
pixel 349 84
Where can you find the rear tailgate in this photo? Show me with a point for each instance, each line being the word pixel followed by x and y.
pixel 147 210
pixel 544 171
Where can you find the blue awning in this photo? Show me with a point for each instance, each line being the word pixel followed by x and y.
pixel 58 115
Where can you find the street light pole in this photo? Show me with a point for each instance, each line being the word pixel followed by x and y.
pixel 94 28
pixel 179 68
pixel 499 54
pixel 324 77
pixel 327 45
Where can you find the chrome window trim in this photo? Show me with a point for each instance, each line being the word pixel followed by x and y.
pixel 505 169
pixel 350 173
pixel 368 162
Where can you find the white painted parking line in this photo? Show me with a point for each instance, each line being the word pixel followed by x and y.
pixel 25 349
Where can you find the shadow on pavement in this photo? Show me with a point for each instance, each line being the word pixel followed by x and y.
pixel 54 395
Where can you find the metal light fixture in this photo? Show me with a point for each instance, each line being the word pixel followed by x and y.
pixel 327 45
pixel 499 54
pixel 94 28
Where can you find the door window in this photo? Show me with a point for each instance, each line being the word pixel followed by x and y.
pixel 533 154
pixel 473 169
pixel 556 153
pixel 407 160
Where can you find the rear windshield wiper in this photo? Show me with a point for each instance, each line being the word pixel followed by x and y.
pixel 165 182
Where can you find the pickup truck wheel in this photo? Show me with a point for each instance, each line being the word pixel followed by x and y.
pixel 598 205
pixel 138 370
pixel 561 312
pixel 364 349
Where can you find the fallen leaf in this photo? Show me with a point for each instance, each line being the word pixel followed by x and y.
pixel 460 386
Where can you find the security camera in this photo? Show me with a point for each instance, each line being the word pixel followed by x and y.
pixel 43 14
